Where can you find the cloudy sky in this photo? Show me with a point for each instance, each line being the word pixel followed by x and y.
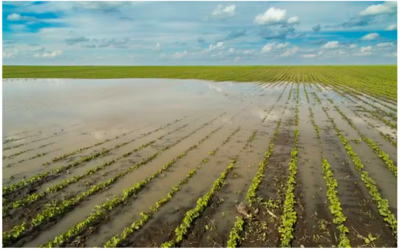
pixel 199 33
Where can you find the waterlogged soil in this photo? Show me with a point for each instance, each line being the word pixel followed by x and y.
pixel 128 130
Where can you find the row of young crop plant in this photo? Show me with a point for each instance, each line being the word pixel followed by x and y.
pixel 51 211
pixel 234 235
pixel 251 193
pixel 382 204
pixel 40 178
pixel 64 156
pixel 38 155
pixel 372 105
pixel 373 145
pixel 34 141
pixel 16 154
pixel 18 139
pixel 65 183
pixel 386 122
pixel 119 239
pixel 375 89
pixel 106 208
pixel 331 193
pixel 201 204
pixel 289 216
pixel 339 89
pixel 386 137
pixel 373 100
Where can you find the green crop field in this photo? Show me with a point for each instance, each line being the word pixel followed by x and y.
pixel 287 156
pixel 379 81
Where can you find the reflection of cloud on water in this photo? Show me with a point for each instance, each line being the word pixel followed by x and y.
pixel 358 120
pixel 98 135
pixel 258 113
pixel 213 87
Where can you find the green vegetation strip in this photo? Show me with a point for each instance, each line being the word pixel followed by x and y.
pixel 65 183
pixel 289 216
pixel 382 204
pixel 251 193
pixel 201 204
pixel 335 206
pixel 381 154
pixel 53 209
pixel 377 81
pixel 234 235
pixel 42 176
pixel 117 240
pixel 38 155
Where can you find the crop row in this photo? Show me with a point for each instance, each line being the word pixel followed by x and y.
pixel 118 240
pixel 386 137
pixel 41 139
pixel 386 122
pixel 234 235
pixel 16 154
pixel 38 155
pixel 335 206
pixel 20 138
pixel 382 204
pixel 41 177
pixel 354 94
pixel 289 216
pixel 51 211
pixel 331 193
pixel 201 204
pixel 251 193
pixel 107 207
pixel 66 182
pixel 373 145
pixel 371 112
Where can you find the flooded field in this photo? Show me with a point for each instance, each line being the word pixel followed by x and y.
pixel 193 163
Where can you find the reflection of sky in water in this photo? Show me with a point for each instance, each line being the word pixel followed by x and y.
pixel 44 101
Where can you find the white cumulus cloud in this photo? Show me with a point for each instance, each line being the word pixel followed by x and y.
pixel 271 46
pixel 18 17
pixel 271 16
pixel 222 12
pixel 282 45
pixel 179 55
pixel 365 49
pixel 389 7
pixel 370 37
pixel 53 54
pixel 391 27
pixel 290 52
pixel 309 55
pixel 331 45
pixel 218 45
pixel 353 46
pixel 158 47
pixel 293 20
pixel 383 45
pixel 267 48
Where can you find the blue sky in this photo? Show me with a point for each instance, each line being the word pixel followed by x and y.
pixel 199 33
